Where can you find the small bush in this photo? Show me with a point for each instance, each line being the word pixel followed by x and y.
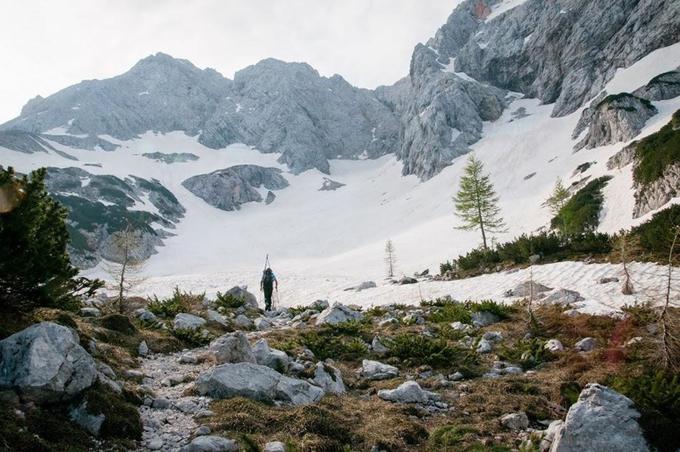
pixel 228 301
pixel 177 303
pixel 581 213
pixel 657 397
pixel 197 337
pixel 415 350
pixel 447 310
pixel 527 353
pixel 656 235
pixel 340 348
pixel 657 152
pixel 500 310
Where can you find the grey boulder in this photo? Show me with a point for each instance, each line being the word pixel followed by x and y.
pixel 375 370
pixel 337 313
pixel 563 297
pixel 241 293
pixel 601 419
pixel 329 378
pixel 256 382
pixel 45 362
pixel 408 392
pixel 266 356
pixel 211 443
pixel 184 321
pixel 232 348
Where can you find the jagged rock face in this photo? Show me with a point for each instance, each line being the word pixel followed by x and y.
pixel 25 142
pixel 274 106
pixel 656 194
pixel 444 116
pixel 289 108
pixel 159 93
pixel 615 118
pixel 601 419
pixel 562 51
pixel 100 205
pixel 228 188
pixel 663 86
pixel 174 157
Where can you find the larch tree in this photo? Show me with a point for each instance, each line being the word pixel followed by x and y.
pixel 390 258
pixel 476 201
pixel 558 198
pixel 126 267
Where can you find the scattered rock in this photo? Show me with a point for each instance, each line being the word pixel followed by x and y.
pixel 242 321
pixel 184 321
pixel 501 368
pixel 526 288
pixel 337 313
pixel 214 316
pixel 484 346
pixel 275 446
pixel 375 370
pixel 408 392
pixel 90 422
pixel 563 297
pixel 601 419
pixel 266 356
pixel 460 326
pixel 515 421
pixel 330 185
pixel 407 280
pixel 585 345
pixel 242 294
pixel 146 316
pixel 262 323
pixel 143 349
pixel 203 430
pixel 366 285
pixel 256 382
pixel 90 312
pixel 553 345
pixel 329 378
pixel 378 347
pixel 211 444
pixel 232 348
pixel 45 362
pixel 482 318
pixel 607 280
pixel 493 336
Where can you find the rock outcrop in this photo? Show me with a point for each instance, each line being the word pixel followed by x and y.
pixel 615 118
pixel 256 382
pixel 662 87
pixel 45 363
pixel 232 348
pixel 337 313
pixel 601 419
pixel 229 188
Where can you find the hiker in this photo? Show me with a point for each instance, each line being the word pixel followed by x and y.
pixel 268 283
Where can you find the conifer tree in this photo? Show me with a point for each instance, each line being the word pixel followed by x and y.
pixel 35 269
pixel 558 198
pixel 390 258
pixel 476 201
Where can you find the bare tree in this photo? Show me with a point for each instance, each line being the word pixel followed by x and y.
pixel 670 342
pixel 627 288
pixel 390 258
pixel 126 267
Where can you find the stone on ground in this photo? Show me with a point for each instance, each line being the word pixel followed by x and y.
pixel 375 370
pixel 337 313
pixel 275 446
pixel 515 421
pixel 408 392
pixel 482 318
pixel 241 293
pixel 211 443
pixel 525 289
pixel 266 356
pixel 184 321
pixel 256 382
pixel 232 348
pixel 563 297
pixel 553 345
pixel 45 362
pixel 329 378
pixel 601 419
pixel 586 344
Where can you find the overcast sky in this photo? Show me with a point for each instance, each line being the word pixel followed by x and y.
pixel 46 45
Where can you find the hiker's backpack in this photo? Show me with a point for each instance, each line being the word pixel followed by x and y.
pixel 268 278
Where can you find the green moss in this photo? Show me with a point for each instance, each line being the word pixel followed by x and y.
pixel 581 213
pixel 121 417
pixel 657 152
pixel 119 323
pixel 450 436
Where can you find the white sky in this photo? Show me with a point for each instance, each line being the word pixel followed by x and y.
pixel 46 45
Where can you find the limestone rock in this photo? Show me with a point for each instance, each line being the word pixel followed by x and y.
pixel 232 348
pixel 329 378
pixel 337 313
pixel 408 392
pixel 601 419
pixel 375 370
pixel 45 362
pixel 184 321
